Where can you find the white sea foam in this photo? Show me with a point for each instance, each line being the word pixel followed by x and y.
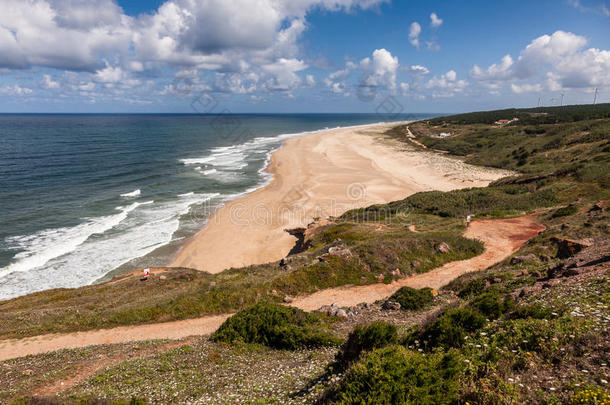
pixel 208 172
pixel 134 193
pixel 79 255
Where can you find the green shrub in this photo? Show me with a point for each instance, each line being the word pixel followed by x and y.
pixel 364 338
pixel 450 329
pixel 275 326
pixel 413 299
pixel 565 211
pixel 396 375
pixel 534 311
pixel 475 287
pixel 491 305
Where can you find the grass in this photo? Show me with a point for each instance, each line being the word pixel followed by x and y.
pixel 188 293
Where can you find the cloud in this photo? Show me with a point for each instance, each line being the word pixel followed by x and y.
pixel 501 71
pixel 15 90
pixel 435 21
pixel 380 71
pixel 48 83
pixel 109 75
pixel 600 8
pixel 414 32
pixel 39 31
pixel 283 74
pixel 447 85
pixel 212 34
pixel 562 60
pixel 525 88
pixel 418 70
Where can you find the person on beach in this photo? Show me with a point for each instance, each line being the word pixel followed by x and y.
pixel 468 218
pixel 146 274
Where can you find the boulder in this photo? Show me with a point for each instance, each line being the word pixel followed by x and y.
pixel 340 251
pixel 396 273
pixel 341 313
pixel 522 259
pixel 415 264
pixel 569 247
pixel 288 299
pixel 442 248
pixel 390 305
pixel 380 278
pixel 162 277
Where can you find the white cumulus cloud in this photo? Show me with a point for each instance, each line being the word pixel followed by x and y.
pixel 414 31
pixel 435 21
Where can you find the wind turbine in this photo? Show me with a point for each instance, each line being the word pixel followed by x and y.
pixel 595 96
pixel 561 99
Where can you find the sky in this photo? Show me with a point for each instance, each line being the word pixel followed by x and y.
pixel 280 56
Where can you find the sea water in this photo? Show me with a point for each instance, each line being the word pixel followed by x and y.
pixel 85 196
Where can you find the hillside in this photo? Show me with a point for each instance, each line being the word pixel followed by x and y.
pixel 532 328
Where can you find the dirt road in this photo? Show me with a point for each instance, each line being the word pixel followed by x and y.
pixel 501 237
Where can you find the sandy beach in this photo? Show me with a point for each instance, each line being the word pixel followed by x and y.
pixel 320 175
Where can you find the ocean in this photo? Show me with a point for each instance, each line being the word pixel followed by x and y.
pixel 86 196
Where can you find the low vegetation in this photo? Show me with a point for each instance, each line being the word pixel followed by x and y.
pixel 396 375
pixel 185 293
pixel 413 299
pixel 365 338
pixel 534 328
pixel 275 326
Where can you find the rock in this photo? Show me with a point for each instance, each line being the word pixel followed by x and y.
pixel 380 278
pixel 415 264
pixel 341 313
pixel 340 251
pixel 396 273
pixel 442 248
pixel 556 271
pixel 569 247
pixel 390 305
pixel 288 299
pixel 213 284
pixel 27 372
pixel 528 290
pixel 286 267
pixel 522 259
pixel 596 207
pixel 496 280
pixel 570 273
pixel 283 262
pixel 162 277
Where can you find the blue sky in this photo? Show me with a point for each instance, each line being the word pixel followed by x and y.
pixel 300 55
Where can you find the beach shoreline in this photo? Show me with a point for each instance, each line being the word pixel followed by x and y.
pixel 321 174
